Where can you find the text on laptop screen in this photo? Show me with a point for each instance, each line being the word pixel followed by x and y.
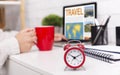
pixel 78 20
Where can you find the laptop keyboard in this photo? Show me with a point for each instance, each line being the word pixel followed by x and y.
pixel 59 44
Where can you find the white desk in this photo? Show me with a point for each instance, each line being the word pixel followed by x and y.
pixel 52 63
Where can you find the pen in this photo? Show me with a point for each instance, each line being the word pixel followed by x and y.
pixel 98 34
pixel 101 30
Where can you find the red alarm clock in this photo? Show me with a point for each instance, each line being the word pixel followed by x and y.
pixel 74 56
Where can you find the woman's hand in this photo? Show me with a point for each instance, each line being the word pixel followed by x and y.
pixel 26 39
pixel 59 37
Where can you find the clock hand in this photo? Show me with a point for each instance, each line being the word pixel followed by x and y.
pixel 78 55
pixel 77 60
pixel 72 60
pixel 72 56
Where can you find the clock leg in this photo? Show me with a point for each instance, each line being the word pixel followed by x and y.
pixel 76 69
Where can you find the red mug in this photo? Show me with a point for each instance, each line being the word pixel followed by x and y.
pixel 45 37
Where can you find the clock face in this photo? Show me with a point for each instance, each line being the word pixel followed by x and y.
pixel 74 58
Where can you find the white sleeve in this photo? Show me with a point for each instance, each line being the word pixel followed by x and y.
pixel 8 47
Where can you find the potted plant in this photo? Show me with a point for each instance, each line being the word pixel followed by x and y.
pixel 54 20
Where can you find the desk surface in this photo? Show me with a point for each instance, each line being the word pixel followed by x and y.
pixel 52 63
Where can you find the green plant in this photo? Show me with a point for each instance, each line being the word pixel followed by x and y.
pixel 52 19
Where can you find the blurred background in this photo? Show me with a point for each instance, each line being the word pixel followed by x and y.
pixel 37 10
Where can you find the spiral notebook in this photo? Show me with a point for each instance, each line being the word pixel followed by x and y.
pixel 104 55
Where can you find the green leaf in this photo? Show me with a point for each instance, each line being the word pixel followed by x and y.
pixel 52 19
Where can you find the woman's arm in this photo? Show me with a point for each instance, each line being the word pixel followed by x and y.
pixel 8 47
pixel 22 42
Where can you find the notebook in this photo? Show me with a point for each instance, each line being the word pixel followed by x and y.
pixel 107 55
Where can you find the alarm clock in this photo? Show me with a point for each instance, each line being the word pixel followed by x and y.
pixel 74 56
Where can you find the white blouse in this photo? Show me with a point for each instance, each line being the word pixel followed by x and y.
pixel 8 45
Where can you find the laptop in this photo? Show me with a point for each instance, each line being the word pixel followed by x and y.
pixel 77 22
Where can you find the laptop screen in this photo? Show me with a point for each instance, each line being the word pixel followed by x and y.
pixel 78 19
